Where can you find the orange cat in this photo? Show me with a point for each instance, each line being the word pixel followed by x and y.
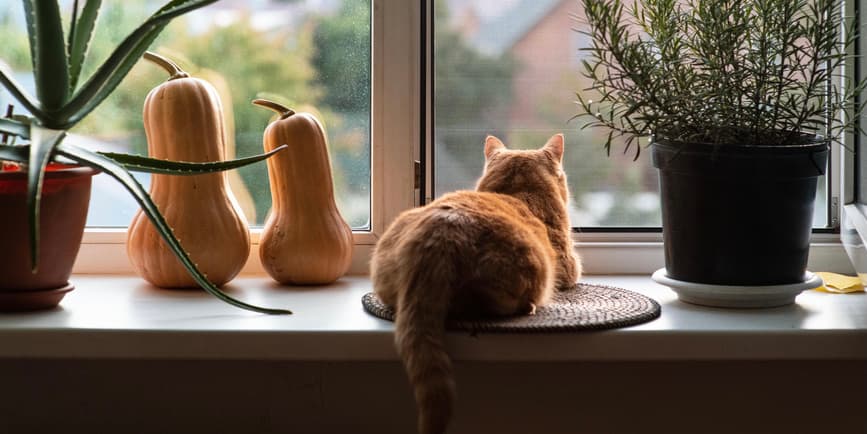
pixel 499 250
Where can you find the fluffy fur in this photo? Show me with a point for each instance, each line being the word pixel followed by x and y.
pixel 497 251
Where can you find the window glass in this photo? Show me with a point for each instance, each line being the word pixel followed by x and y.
pixel 511 68
pixel 313 56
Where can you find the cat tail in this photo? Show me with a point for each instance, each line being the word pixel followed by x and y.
pixel 420 335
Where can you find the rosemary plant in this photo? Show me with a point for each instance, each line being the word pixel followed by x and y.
pixel 61 102
pixel 720 72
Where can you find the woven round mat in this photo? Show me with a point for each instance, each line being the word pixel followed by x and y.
pixel 587 307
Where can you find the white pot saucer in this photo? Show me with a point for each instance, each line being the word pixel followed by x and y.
pixel 737 296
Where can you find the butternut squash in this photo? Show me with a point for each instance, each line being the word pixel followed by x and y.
pixel 305 239
pixel 183 121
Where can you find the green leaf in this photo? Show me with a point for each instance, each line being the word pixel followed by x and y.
pixel 18 154
pixel 138 163
pixel 79 39
pixel 88 97
pixel 10 126
pixel 50 64
pixel 116 171
pixel 42 143
pixel 118 64
pixel 72 23
pixel 31 30
pixel 172 7
pixel 20 94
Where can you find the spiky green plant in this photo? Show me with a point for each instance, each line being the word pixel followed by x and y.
pixel 60 103
pixel 721 72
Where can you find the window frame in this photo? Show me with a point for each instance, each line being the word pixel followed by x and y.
pixel 831 208
pixel 395 117
pixel 639 250
pixel 853 211
pixel 402 129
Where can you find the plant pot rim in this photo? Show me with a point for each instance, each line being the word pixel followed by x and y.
pixel 795 161
pixel 810 142
pixel 67 171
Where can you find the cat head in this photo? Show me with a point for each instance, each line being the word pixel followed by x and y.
pixel 511 171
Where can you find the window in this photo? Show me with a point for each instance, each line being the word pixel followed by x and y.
pixel 312 56
pixel 414 98
pixel 392 139
pixel 853 231
pixel 511 68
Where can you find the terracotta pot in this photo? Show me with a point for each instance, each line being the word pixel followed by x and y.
pixel 63 212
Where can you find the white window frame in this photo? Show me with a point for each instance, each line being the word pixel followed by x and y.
pixel 396 141
pixel 853 213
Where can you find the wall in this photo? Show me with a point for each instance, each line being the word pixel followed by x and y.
pixel 128 396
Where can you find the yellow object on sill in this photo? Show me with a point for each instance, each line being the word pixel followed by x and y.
pixel 840 284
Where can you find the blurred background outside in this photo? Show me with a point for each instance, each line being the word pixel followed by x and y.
pixel 313 56
pixel 511 68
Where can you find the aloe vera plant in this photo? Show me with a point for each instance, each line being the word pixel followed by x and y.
pixel 60 103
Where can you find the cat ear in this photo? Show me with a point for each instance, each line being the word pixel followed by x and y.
pixel 492 145
pixel 555 147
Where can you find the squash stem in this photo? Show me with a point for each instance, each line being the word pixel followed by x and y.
pixel 172 68
pixel 282 110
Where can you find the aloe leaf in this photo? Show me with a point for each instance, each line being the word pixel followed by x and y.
pixel 18 154
pixel 42 143
pixel 72 23
pixel 31 30
pixel 171 6
pixel 80 36
pixel 10 126
pixel 50 64
pixel 137 163
pixel 84 102
pixel 118 64
pixel 17 90
pixel 116 171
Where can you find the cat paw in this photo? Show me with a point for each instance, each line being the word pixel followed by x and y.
pixel 532 309
pixel 568 274
pixel 566 286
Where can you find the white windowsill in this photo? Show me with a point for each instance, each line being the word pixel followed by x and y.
pixel 123 317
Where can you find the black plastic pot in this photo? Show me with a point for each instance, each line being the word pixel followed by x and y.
pixel 738 215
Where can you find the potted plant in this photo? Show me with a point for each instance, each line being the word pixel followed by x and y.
pixel 739 101
pixel 49 179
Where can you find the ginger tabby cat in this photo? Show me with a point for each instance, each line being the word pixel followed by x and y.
pixel 500 250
